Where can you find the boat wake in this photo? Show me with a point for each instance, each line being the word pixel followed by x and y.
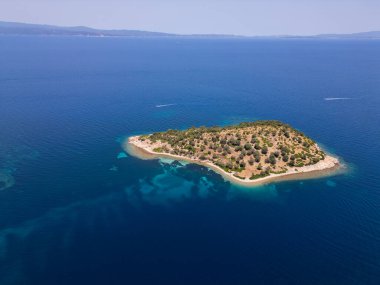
pixel 336 98
pixel 165 105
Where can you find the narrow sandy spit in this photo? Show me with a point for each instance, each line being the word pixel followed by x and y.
pixel 327 167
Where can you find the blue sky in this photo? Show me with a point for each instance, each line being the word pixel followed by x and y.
pixel 246 17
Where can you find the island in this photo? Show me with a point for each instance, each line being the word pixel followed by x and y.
pixel 249 153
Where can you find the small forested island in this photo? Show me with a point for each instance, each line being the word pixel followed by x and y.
pixel 250 152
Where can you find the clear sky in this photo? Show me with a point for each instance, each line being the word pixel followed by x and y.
pixel 245 17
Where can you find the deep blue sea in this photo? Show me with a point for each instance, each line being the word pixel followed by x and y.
pixel 76 209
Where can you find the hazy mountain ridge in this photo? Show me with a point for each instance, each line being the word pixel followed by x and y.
pixel 10 28
pixel 13 28
pixel 362 35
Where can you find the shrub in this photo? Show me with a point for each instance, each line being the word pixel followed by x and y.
pixel 315 160
pixel 284 149
pixel 257 156
pixel 256 176
pixel 234 142
pixel 248 146
pixel 272 159
pixel 220 164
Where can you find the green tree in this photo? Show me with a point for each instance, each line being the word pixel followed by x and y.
pixel 272 159
pixel 238 148
pixel 248 146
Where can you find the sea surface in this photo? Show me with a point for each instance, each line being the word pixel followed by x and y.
pixel 76 209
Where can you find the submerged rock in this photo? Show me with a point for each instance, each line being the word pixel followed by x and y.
pixel 6 180
pixel 122 155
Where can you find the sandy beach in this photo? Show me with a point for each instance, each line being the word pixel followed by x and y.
pixel 327 167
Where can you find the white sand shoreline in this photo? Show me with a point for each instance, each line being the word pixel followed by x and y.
pixel 327 167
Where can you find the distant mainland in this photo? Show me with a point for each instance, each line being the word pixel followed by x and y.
pixel 248 154
pixel 13 28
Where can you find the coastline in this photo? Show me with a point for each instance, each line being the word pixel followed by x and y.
pixel 327 167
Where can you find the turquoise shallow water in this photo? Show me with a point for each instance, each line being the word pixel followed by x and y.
pixel 74 208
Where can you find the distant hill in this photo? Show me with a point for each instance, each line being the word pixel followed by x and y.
pixel 363 35
pixel 11 28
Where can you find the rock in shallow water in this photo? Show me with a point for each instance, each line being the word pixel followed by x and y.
pixel 6 180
